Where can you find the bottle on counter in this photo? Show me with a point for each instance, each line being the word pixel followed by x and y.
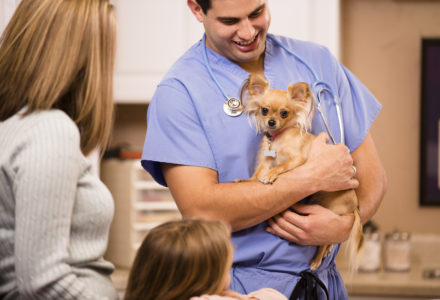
pixel 397 251
pixel 370 260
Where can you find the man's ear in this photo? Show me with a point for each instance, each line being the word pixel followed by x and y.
pixel 196 10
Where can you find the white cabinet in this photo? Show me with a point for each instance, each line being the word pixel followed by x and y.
pixel 313 20
pixel 154 34
pixel 151 36
pixel 140 204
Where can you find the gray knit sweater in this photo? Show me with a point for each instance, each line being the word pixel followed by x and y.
pixel 54 214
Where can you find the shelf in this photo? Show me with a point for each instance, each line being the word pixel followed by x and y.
pixel 155 205
pixel 140 205
pixel 145 226
pixel 148 185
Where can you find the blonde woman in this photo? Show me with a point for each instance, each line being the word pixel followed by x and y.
pixel 56 65
pixel 187 259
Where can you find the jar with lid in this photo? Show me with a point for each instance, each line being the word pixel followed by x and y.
pixel 397 250
pixel 371 255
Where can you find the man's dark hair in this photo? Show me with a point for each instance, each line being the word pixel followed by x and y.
pixel 204 4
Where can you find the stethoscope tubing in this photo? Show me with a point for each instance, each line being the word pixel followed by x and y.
pixel 318 92
pixel 211 73
pixel 325 87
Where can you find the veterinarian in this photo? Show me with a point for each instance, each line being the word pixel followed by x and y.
pixel 197 144
pixel 56 106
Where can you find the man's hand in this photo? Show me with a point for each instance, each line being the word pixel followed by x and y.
pixel 332 164
pixel 311 225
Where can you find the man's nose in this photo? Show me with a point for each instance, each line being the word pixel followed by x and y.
pixel 246 30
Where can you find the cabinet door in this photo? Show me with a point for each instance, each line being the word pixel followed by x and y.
pixel 154 34
pixel 313 20
pixel 151 36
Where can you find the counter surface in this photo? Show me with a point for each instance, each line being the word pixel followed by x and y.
pixel 425 255
pixel 408 284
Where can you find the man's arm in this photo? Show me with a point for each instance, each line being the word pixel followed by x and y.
pixel 372 178
pixel 315 225
pixel 198 193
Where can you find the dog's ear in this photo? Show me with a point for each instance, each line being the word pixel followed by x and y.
pixel 299 91
pixel 303 97
pixel 254 87
pixel 257 85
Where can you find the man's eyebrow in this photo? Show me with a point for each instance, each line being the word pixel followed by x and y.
pixel 228 19
pixel 232 19
pixel 258 9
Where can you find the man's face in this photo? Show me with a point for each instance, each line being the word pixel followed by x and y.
pixel 237 29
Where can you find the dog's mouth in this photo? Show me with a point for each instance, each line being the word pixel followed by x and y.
pixel 271 129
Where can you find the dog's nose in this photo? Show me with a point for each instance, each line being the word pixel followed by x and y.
pixel 271 123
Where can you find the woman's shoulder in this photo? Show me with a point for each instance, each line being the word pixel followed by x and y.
pixel 50 127
pixel 50 121
pixel 267 294
pixel 261 294
pixel 212 297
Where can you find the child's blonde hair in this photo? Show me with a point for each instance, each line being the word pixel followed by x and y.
pixel 181 259
pixel 60 54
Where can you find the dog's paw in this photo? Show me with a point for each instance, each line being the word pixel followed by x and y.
pixel 266 179
pixel 243 180
pixel 269 178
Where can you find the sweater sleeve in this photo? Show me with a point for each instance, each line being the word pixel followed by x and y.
pixel 47 168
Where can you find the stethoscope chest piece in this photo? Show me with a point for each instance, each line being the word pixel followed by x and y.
pixel 233 107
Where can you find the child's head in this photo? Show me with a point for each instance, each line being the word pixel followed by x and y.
pixel 182 259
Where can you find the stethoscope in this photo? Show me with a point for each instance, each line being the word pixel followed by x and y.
pixel 233 106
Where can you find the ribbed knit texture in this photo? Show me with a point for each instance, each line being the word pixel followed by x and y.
pixel 55 214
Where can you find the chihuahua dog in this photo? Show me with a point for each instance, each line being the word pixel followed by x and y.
pixel 286 117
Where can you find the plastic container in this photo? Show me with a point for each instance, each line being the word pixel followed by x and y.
pixel 371 255
pixel 397 251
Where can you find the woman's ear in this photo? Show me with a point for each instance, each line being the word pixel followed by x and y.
pixel 196 10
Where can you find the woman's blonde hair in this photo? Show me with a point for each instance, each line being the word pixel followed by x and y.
pixel 181 259
pixel 60 54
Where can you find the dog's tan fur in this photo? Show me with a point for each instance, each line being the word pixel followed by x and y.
pixel 291 113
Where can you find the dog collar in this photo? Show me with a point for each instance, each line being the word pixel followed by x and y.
pixel 273 137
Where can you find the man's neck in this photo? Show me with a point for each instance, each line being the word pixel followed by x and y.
pixel 254 67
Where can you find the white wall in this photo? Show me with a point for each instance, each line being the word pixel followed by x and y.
pixel 7 8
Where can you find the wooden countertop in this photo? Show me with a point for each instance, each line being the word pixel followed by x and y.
pixel 384 283
pixel 425 255
pixel 381 283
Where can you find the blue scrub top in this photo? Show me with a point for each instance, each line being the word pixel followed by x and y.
pixel 187 126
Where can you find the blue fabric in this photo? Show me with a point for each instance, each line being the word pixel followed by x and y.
pixel 187 125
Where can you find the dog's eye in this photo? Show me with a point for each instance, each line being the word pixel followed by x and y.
pixel 284 114
pixel 264 111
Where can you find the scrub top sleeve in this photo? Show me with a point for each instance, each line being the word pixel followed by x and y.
pixel 174 133
pixel 359 108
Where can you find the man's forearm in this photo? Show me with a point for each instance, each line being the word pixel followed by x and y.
pixel 372 178
pixel 242 204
